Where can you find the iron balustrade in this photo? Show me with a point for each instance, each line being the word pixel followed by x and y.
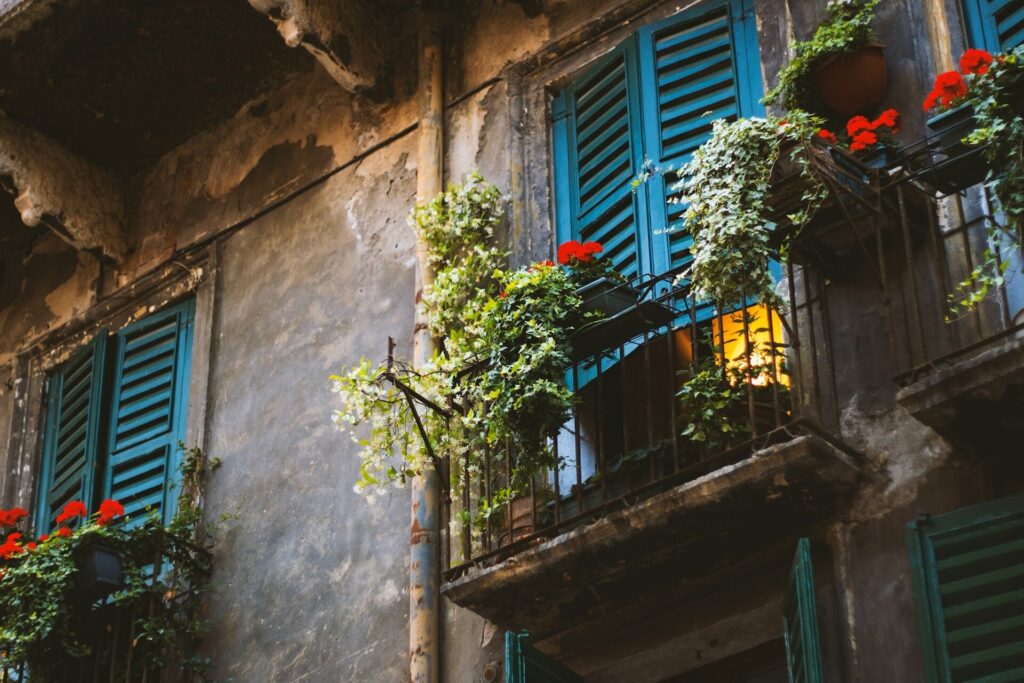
pixel 625 440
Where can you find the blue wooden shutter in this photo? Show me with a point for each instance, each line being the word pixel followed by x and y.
pixel 968 572
pixel 697 66
pixel 526 664
pixel 994 25
pixel 148 406
pixel 598 155
pixel 800 620
pixel 74 400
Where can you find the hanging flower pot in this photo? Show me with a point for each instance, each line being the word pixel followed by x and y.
pixel 852 83
pixel 100 571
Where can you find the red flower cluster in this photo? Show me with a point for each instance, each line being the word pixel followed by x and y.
pixel 12 516
pixel 109 509
pixel 10 547
pixel 864 133
pixel 574 251
pixel 948 88
pixel 975 62
pixel 75 508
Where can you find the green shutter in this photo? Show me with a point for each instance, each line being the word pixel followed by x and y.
pixel 800 620
pixel 968 573
pixel 526 664
pixel 148 406
pixel 598 155
pixel 71 433
pixel 698 66
pixel 994 25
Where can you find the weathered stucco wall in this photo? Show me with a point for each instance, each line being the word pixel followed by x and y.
pixel 311 579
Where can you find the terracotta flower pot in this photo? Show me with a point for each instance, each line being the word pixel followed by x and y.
pixel 853 83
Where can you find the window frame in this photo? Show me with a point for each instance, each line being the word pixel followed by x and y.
pixel 107 348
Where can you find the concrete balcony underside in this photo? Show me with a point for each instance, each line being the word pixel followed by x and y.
pixel 660 544
pixel 977 401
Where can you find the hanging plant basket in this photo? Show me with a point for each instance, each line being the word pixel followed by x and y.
pixel 947 164
pixel 852 83
pixel 100 571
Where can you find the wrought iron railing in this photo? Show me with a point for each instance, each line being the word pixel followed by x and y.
pixel 628 438
pixel 941 240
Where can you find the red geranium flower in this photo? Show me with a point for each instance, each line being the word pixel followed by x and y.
pixel 109 509
pixel 975 62
pixel 12 516
pixel 10 547
pixel 503 295
pixel 890 118
pixel 949 87
pixel 568 251
pixel 75 508
pixel 43 537
pixel 863 140
pixel 828 136
pixel 547 264
pixel 31 545
pixel 63 532
pixel 856 125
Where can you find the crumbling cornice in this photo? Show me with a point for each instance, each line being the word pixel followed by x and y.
pixel 341 34
pixel 81 202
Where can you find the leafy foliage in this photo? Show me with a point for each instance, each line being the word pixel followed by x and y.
pixel 996 98
pixel 727 185
pixel 498 378
pixel 44 622
pixel 847 29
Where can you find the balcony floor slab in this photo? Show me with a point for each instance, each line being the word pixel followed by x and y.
pixel 660 543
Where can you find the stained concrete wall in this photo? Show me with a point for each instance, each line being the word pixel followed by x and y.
pixel 303 195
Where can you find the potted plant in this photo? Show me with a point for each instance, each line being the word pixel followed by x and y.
pixel 100 572
pixel 871 141
pixel 980 137
pixel 985 86
pixel 602 289
pixel 841 67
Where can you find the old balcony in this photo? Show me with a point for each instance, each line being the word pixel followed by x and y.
pixel 960 368
pixel 636 489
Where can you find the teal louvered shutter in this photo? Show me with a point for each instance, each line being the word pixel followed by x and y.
pixel 968 575
pixel 147 415
pixel 697 66
pixel 994 25
pixel 72 425
pixel 800 620
pixel 526 664
pixel 598 155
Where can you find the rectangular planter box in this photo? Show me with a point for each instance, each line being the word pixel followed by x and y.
pixel 99 572
pixel 607 296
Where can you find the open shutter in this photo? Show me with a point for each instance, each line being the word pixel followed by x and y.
pixel 994 25
pixel 800 620
pixel 151 363
pixel 71 433
pixel 598 155
pixel 698 66
pixel 526 664
pixel 968 573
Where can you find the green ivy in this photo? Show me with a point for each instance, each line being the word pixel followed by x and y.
pixel 727 185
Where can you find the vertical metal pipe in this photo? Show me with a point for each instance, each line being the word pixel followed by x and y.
pixel 424 533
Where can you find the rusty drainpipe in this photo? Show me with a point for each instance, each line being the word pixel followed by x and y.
pixel 424 535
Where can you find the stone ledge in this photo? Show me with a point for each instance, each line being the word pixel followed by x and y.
pixel 977 396
pixel 682 534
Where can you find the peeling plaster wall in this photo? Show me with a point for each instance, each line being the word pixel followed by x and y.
pixel 46 289
pixel 311 579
